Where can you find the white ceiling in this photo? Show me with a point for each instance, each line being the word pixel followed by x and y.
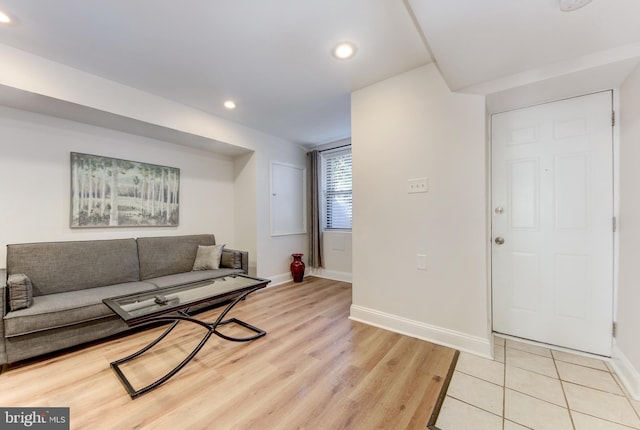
pixel 273 56
pixel 480 41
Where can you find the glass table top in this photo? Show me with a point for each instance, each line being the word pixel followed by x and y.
pixel 165 300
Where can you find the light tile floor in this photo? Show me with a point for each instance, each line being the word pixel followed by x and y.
pixel 531 387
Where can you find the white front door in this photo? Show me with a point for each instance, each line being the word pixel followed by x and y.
pixel 552 216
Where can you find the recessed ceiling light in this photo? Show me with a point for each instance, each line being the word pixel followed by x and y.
pixel 230 104
pixel 344 50
pixel 4 18
pixel 569 5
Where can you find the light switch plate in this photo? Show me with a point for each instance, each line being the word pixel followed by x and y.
pixel 418 185
pixel 421 262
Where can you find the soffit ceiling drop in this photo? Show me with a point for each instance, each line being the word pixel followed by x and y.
pixel 273 58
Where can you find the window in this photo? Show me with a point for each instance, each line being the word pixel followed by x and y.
pixel 336 183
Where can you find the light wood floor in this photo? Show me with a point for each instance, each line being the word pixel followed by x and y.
pixel 315 369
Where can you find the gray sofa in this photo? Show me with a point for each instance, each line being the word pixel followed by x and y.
pixel 70 279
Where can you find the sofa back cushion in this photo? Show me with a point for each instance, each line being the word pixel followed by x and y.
pixel 56 267
pixel 166 255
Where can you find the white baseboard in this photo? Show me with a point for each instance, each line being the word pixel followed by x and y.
pixel 282 278
pixel 438 335
pixel 330 274
pixel 627 373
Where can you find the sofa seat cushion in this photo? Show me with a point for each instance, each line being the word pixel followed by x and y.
pixel 65 309
pixel 187 277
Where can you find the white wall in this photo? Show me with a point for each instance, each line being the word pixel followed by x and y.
pixel 626 356
pixel 337 256
pixel 274 252
pixel 246 207
pixel 35 180
pixel 270 256
pixel 412 126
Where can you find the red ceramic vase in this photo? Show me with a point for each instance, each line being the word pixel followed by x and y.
pixel 297 267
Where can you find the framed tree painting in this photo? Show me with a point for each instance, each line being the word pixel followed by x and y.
pixel 108 192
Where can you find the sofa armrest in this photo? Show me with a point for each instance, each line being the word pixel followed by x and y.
pixel 3 311
pixel 3 296
pixel 241 256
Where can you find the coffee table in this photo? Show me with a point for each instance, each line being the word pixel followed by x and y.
pixel 172 305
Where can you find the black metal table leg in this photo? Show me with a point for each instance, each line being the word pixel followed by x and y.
pixel 175 319
pixel 222 321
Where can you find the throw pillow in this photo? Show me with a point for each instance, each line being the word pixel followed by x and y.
pixel 20 291
pixel 231 259
pixel 208 257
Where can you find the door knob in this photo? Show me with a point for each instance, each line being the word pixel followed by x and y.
pixel 499 210
pixel 499 240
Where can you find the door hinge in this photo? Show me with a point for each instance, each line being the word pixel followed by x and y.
pixel 613 118
pixel 614 224
pixel 614 329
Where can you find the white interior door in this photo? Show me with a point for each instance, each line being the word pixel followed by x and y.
pixel 552 216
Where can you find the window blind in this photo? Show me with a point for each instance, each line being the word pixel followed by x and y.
pixel 337 189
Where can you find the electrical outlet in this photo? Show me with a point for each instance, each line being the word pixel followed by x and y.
pixel 418 185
